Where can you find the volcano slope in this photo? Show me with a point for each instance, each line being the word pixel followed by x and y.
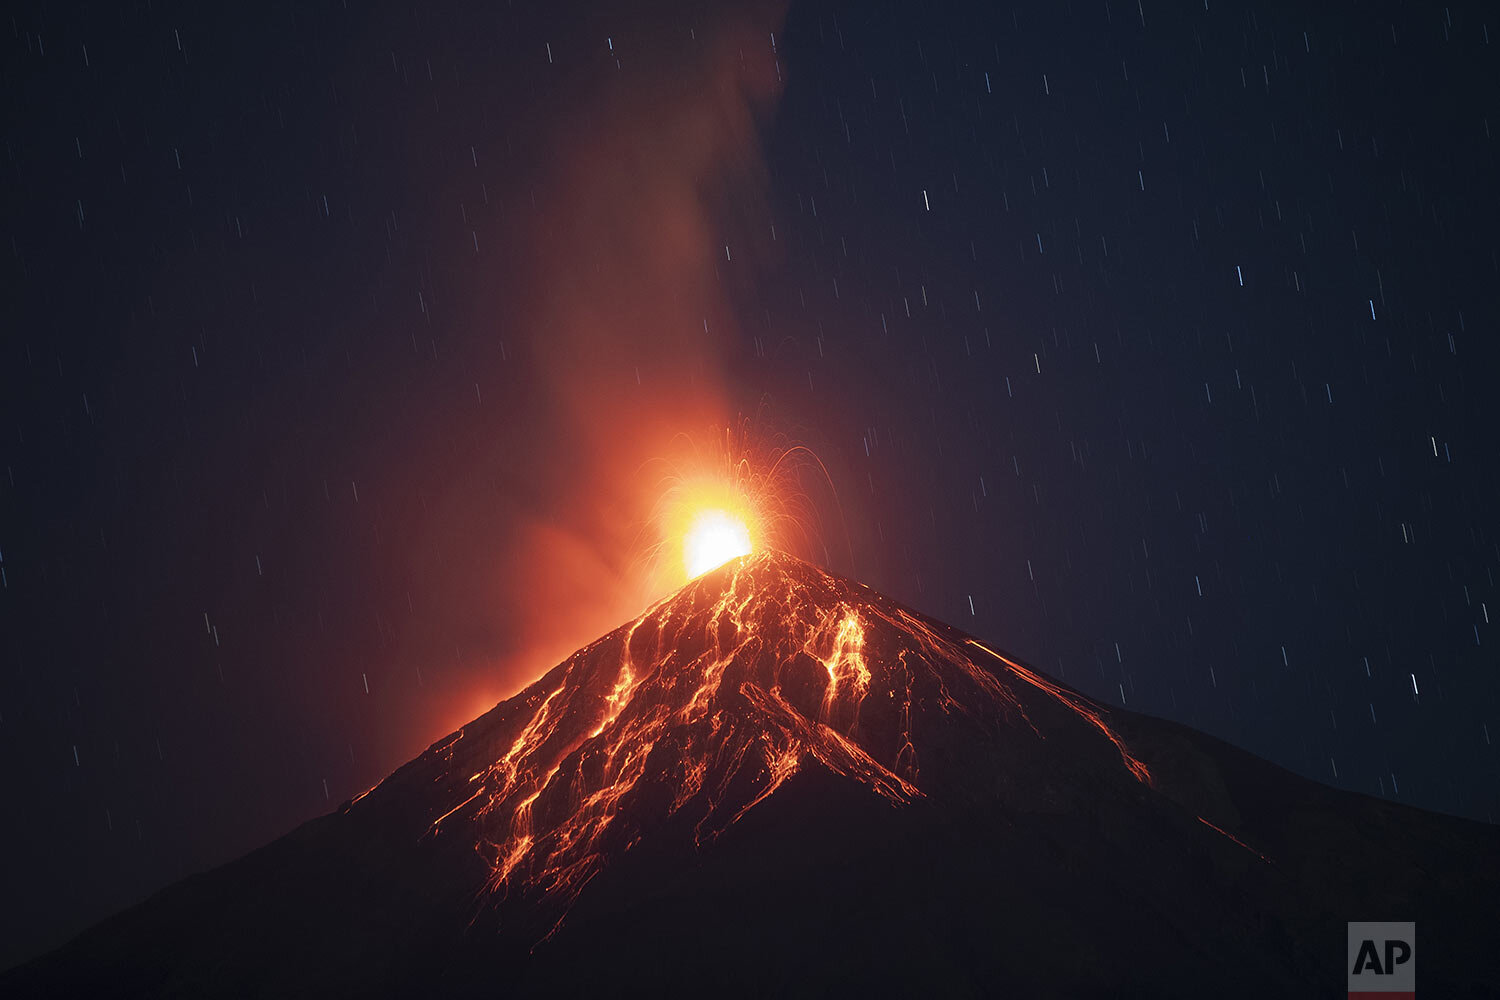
pixel 777 781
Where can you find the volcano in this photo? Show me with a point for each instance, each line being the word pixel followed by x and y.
pixel 777 781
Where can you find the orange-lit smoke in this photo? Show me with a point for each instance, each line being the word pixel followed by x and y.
pixel 622 339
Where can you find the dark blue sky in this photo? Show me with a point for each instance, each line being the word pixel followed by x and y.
pixel 1154 344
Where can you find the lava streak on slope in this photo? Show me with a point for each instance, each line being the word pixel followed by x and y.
pixel 700 709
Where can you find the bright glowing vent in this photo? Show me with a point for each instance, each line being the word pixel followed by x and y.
pixel 713 538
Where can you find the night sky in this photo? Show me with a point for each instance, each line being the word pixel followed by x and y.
pixel 1153 343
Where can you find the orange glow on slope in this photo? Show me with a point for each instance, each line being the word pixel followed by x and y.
pixel 713 538
pixel 1076 704
pixel 1226 833
pixel 554 793
pixel 846 663
pixel 706 705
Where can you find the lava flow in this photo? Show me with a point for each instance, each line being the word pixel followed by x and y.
pixel 683 720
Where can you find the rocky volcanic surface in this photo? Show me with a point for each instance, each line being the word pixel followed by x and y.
pixel 779 781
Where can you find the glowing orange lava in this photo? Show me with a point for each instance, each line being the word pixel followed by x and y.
pixel 716 697
pixel 1226 833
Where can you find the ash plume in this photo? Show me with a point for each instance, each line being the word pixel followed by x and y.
pixel 649 178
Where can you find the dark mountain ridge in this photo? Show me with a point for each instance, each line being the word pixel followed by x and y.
pixel 779 781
